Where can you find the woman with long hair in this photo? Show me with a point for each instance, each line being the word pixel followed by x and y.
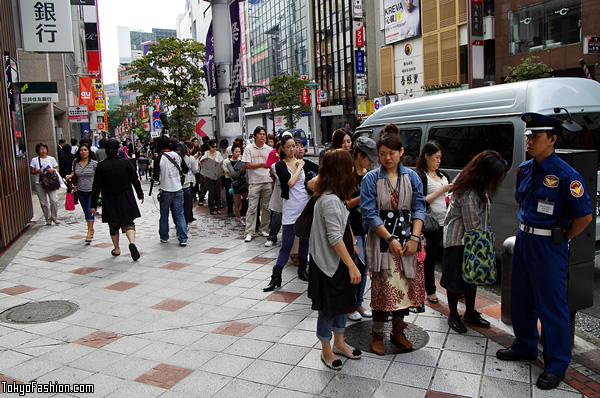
pixel 435 186
pixel 44 163
pixel 239 181
pixel 84 168
pixel 292 178
pixel 341 139
pixel 333 275
pixel 469 204
pixel 390 198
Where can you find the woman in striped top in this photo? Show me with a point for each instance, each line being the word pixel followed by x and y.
pixel 84 168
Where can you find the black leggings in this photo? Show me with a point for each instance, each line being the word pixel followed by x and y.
pixel 382 316
pixel 453 301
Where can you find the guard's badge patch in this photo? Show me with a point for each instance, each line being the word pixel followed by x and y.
pixel 551 181
pixel 577 189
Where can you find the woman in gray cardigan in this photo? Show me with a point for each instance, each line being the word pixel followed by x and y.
pixel 333 276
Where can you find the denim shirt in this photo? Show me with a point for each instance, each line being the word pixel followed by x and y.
pixel 368 197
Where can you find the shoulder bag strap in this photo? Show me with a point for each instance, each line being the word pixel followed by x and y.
pixel 175 163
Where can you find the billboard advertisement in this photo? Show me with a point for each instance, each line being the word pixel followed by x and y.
pixel 402 20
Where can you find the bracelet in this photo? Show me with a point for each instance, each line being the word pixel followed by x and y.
pixel 415 238
pixel 390 239
pixel 355 242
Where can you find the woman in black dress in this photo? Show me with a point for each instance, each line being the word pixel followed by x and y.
pixel 333 276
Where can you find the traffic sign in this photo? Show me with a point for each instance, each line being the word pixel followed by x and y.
pixel 377 103
pixel 157 124
pixel 156 115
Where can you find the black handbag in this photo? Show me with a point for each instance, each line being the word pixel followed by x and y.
pixel 431 223
pixel 399 224
pixel 304 221
pixel 49 181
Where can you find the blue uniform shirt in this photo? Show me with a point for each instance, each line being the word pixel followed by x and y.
pixel 548 191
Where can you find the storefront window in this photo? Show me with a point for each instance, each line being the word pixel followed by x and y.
pixel 543 26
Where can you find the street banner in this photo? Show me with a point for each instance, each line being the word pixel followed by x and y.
pixel 86 90
pixel 400 21
pixel 93 58
pixel 357 10
pixel 46 26
pixel 236 72
pixel 209 64
pixel 91 36
pixel 305 97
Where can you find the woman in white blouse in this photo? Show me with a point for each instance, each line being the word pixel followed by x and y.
pixel 44 163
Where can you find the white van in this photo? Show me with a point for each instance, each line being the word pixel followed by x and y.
pixel 468 122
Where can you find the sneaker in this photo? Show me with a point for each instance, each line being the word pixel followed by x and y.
pixel 48 222
pixel 248 238
pixel 241 222
pixel 163 240
pixel 269 243
pixel 182 244
pixel 265 234
pixel 355 316
pixel 56 221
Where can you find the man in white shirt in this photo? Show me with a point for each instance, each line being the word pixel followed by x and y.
pixel 260 185
pixel 171 191
pixel 411 20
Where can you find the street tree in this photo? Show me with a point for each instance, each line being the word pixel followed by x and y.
pixel 172 71
pixel 286 93
pixel 529 69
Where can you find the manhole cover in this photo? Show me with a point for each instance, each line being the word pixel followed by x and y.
pixel 39 312
pixel 358 336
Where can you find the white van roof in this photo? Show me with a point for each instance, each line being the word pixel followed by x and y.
pixel 541 95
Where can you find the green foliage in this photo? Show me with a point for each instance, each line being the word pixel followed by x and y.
pixel 286 93
pixel 172 70
pixel 115 118
pixel 529 69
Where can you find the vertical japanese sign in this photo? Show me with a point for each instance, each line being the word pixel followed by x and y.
pixel 236 71
pixel 243 43
pixel 86 96
pixel 46 26
pixel 477 75
pixel 360 62
pixel 209 64
pixel 359 33
pixel 357 9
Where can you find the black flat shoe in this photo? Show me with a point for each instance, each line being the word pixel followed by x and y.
pixel 135 254
pixel 456 324
pixel 434 300
pixel 507 354
pixel 114 254
pixel 417 310
pixel 548 381
pixel 476 319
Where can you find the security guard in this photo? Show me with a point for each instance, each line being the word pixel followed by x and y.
pixel 553 209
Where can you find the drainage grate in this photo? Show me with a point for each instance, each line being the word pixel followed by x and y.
pixel 39 312
pixel 358 336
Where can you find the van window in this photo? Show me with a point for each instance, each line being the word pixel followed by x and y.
pixel 461 143
pixel 411 141
pixel 588 138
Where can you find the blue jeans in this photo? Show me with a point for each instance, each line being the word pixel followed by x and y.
pixel 172 201
pixel 188 202
pixel 363 282
pixel 287 241
pixel 85 200
pixel 325 326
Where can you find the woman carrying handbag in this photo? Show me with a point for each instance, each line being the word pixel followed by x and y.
pixel 46 182
pixel 469 204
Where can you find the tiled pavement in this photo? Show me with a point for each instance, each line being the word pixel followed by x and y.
pixel 194 321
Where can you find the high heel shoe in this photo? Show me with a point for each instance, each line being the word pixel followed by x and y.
pixel 275 280
pixel 88 238
pixel 302 274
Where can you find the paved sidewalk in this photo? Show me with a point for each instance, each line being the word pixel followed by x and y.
pixel 193 321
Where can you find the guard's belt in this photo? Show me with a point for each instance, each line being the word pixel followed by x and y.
pixel 535 231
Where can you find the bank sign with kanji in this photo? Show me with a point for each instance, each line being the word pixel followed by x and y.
pixel 47 26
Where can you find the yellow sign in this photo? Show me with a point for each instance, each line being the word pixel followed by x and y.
pixel 99 105
pixel 370 107
pixel 97 84
pixel 362 107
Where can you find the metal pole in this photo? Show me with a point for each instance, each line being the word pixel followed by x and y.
pixel 313 115
pixel 273 115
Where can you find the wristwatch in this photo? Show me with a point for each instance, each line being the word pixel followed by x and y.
pixel 391 238
pixel 415 238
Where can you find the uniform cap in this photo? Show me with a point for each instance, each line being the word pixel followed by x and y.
pixel 536 123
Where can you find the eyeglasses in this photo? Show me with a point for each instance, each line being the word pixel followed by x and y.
pixel 213 146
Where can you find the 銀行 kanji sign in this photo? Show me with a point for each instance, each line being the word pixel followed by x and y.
pixel 46 25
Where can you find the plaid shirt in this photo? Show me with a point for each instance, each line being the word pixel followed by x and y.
pixel 464 214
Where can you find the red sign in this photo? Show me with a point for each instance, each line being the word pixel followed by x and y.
pixel 199 126
pixel 359 32
pixel 477 43
pixel 100 126
pixel 143 111
pixel 93 58
pixel 86 93
pixel 305 97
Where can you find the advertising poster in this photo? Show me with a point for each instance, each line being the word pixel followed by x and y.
pixel 402 20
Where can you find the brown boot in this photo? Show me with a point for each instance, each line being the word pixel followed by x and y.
pixel 377 343
pixel 397 335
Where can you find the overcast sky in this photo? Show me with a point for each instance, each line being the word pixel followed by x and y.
pixel 138 15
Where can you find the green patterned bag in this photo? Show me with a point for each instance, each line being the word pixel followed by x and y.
pixel 479 258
